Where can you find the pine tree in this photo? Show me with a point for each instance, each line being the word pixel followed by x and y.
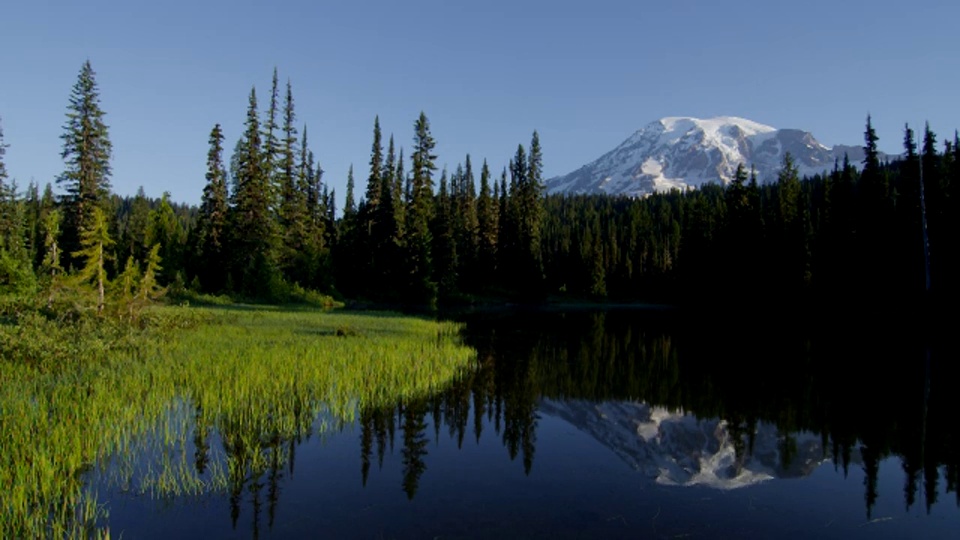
pixel 467 226
pixel 444 252
pixel 50 270
pixel 124 289
pixel 419 214
pixel 8 203
pixel 253 226
pixel 212 223
pixel 313 270
pixel 349 203
pixel 86 152
pixel 369 243
pixel 271 145
pixel 148 288
pixel 400 193
pixel 871 159
pixel 524 221
pixel 874 221
pixel 372 196
pixel 33 211
pixel 788 182
pixel 295 222
pixel 388 232
pixel 16 271
pixel 4 177
pixel 487 228
pixel 506 231
pixel 164 228
pixel 348 253
pixel 311 178
pixel 94 252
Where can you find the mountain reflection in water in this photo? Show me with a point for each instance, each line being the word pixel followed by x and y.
pixel 523 443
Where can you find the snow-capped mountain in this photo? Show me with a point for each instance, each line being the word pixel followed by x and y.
pixel 673 448
pixel 681 152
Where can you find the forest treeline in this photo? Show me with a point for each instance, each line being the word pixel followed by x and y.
pixel 851 235
pixel 267 226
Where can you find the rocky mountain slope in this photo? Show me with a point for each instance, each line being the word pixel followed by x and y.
pixel 683 152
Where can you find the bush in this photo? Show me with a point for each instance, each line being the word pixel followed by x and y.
pixel 16 276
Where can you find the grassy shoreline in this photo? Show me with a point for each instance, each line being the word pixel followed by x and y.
pixel 75 393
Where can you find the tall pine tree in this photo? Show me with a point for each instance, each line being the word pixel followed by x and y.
pixel 487 229
pixel 422 289
pixel 211 244
pixel 86 152
pixel 253 228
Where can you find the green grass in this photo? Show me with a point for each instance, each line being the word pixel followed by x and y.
pixel 79 395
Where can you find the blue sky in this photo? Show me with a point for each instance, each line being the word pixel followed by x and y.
pixel 487 73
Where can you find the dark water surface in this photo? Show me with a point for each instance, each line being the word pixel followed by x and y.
pixel 617 424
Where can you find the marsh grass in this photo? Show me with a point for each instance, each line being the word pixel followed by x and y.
pixel 199 400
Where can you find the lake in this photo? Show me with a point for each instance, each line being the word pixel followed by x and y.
pixel 601 424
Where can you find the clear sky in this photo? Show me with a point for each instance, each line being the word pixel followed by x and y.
pixel 487 73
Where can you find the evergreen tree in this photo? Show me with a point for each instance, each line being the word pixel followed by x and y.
pixel 86 151
pixel 934 209
pixel 401 195
pixel 3 152
pixel 874 221
pixel 212 223
pixel 9 229
pixel 487 228
pixel 94 252
pixel 347 255
pixel 270 151
pixel 133 236
pixel 372 196
pixel 16 271
pixel 506 231
pixel 444 253
pixel 788 183
pixel 314 270
pixel 388 232
pixel 297 256
pixel 164 228
pixel 467 227
pixel 253 227
pixel 422 289
pixel 33 211
pixel 349 204
pixel 871 156
pixel 368 214
pixel 525 218
pixel 50 270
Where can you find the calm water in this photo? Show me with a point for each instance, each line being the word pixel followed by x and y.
pixel 620 424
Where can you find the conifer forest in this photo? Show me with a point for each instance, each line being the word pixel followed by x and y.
pixel 134 328
pixel 410 235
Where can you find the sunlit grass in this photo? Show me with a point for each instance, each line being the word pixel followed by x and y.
pixel 72 402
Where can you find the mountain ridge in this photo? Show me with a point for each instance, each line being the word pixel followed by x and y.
pixel 680 152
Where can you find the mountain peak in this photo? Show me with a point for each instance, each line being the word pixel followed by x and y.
pixel 713 125
pixel 680 152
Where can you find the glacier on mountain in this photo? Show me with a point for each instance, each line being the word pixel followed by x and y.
pixel 685 152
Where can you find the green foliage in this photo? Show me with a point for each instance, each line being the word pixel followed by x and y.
pixel 94 252
pixel 87 151
pixel 165 230
pixel 99 391
pixel 16 275
pixel 253 228
pixel 210 245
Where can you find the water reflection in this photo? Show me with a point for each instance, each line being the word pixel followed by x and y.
pixel 698 407
pixel 681 404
